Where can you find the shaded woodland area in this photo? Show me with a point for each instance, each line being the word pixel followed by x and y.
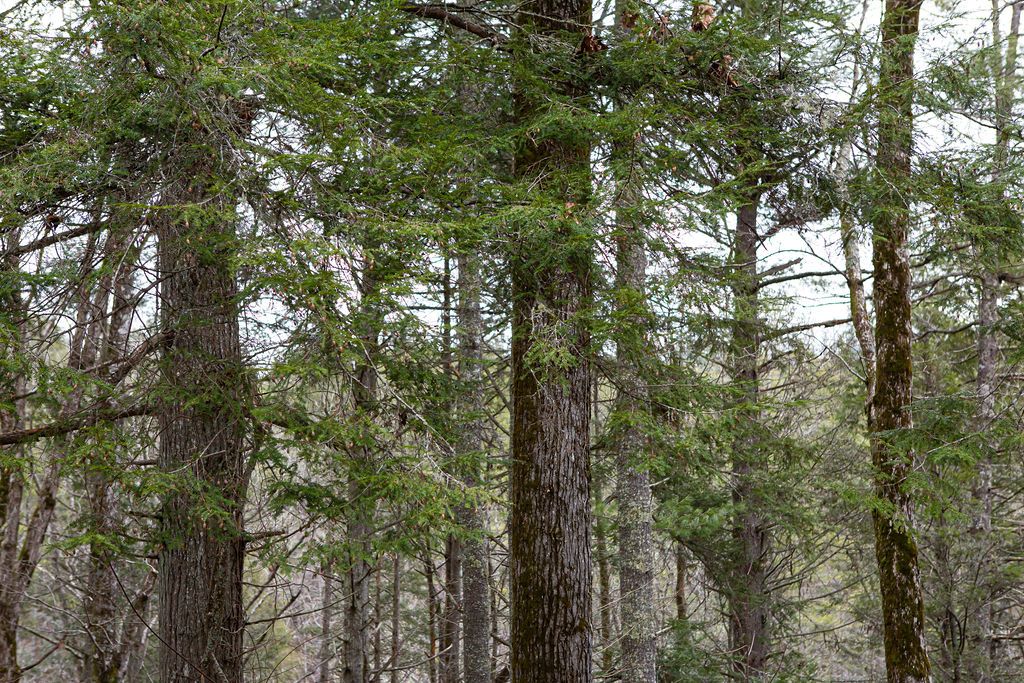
pixel 487 342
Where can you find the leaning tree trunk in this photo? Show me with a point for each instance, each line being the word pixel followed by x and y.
pixel 551 263
pixel 749 594
pixel 896 550
pixel 202 429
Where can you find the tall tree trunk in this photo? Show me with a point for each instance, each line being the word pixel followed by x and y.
pixel 902 601
pixel 749 594
pixel 358 617
pixel 638 641
pixel 202 429
pixel 551 263
pixel 1004 81
pixel 476 599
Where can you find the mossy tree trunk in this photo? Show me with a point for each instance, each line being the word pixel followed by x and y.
pixel 896 550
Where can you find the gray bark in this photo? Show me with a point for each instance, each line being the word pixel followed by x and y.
pixel 476 600
pixel 326 618
pixel 633 487
pixel 203 423
pixel 551 263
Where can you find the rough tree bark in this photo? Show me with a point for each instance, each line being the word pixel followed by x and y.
pixel 203 425
pixel 896 550
pixel 551 263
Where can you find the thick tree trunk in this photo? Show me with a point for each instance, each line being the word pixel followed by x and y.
pixel 749 594
pixel 476 619
pixel 902 600
pixel 551 263
pixel 202 433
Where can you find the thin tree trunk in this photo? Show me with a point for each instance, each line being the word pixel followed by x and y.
pixel 682 577
pixel 358 618
pixel 895 548
pixel 432 610
pixel 19 562
pixel 749 595
pixel 638 640
pixel 476 600
pixel 396 616
pixel 377 643
pixel 326 617
pixel 102 663
pixel 551 263
pixel 604 578
pixel 1004 80
pixel 135 630
pixel 11 485
pixel 451 617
